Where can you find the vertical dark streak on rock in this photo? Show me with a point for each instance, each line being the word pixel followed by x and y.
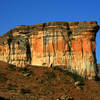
pixel 65 41
pixel 53 41
pixel 94 58
pixel 44 46
pixel 28 52
pixel 92 50
pixel 63 37
pixel 49 56
pixel 47 39
pixel 69 41
pixel 13 47
pixel 44 41
pixel 9 40
pixel 82 47
pixel 56 40
pixel 69 47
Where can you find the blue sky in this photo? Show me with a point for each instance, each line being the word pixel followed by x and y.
pixel 29 12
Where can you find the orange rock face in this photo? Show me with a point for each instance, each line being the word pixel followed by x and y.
pixel 71 44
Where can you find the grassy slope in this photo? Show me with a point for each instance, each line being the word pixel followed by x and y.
pixel 44 83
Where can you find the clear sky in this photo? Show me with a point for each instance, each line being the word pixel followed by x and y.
pixel 29 12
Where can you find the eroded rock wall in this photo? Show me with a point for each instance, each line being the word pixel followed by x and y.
pixel 68 44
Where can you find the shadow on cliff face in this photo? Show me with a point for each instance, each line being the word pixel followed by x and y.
pixel 98 47
pixel 97 52
pixel 28 52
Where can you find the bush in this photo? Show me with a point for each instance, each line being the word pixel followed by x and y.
pixel 42 81
pixel 50 75
pixel 26 72
pixel 76 77
pixel 3 77
pixel 23 69
pixel 24 91
pixel 11 86
pixel 58 68
pixel 12 67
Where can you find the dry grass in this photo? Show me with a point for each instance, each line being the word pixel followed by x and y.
pixel 39 83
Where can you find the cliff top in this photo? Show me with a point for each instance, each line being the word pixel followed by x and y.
pixel 76 28
pixel 62 23
pixel 58 23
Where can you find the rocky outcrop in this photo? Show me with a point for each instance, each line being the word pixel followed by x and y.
pixel 70 44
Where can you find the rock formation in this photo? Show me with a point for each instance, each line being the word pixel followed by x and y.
pixel 69 44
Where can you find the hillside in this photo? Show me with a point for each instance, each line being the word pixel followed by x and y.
pixel 41 83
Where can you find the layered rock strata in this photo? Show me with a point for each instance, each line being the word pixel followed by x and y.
pixel 68 44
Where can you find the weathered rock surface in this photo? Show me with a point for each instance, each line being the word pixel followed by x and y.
pixel 71 44
pixel 98 66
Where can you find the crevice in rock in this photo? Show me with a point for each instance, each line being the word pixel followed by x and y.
pixel 9 41
pixel 44 41
pixel 66 38
pixel 28 52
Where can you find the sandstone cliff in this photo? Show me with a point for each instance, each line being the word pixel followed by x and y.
pixel 70 44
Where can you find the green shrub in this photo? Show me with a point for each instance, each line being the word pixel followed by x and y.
pixel 76 77
pixel 12 67
pixel 42 81
pixel 58 68
pixel 3 78
pixel 11 86
pixel 50 75
pixel 23 69
pixel 24 91
pixel 26 71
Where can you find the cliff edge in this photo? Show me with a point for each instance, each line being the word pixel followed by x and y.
pixel 68 44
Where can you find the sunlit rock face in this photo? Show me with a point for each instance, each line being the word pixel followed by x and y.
pixel 68 44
